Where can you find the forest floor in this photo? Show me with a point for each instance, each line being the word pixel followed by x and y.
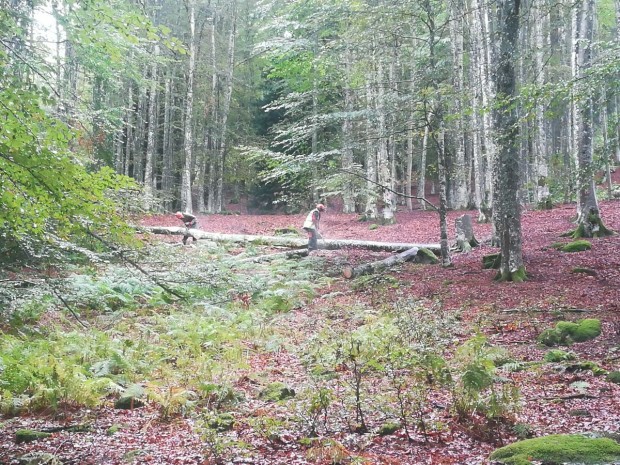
pixel 554 398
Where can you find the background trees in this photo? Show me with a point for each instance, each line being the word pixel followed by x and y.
pixel 209 101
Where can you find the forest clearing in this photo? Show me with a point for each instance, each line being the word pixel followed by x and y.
pixel 201 370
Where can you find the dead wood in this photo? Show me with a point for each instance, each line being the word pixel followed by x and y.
pixel 350 272
pixel 292 242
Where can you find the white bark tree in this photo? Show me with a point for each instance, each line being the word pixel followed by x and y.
pixel 188 140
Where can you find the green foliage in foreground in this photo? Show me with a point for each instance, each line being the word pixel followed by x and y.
pixel 558 449
pixel 567 332
pixel 47 194
pixel 181 353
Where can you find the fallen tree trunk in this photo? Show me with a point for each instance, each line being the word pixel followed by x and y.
pixel 292 242
pixel 273 256
pixel 350 272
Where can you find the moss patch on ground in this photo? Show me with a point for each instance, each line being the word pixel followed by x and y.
pixel 559 449
pixel 567 332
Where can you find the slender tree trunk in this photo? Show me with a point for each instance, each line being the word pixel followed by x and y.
pixel 348 196
pixel 506 206
pixel 409 169
pixel 480 23
pixel 589 219
pixel 210 141
pixel 543 194
pixel 459 199
pixel 167 175
pixel 383 165
pixel 421 192
pixel 371 156
pixel 129 118
pixel 476 142
pixel 226 108
pixel 138 134
pixel 606 148
pixel 443 201
pixel 149 180
pixel 186 177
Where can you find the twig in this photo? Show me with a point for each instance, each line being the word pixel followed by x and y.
pixel 135 265
pixel 67 306
pixel 401 194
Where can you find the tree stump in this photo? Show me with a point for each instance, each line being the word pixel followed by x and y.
pixel 465 239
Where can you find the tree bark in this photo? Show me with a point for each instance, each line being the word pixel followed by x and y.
pixel 589 219
pixel 149 180
pixel 293 242
pixel 459 181
pixel 506 205
pixel 186 177
pixel 350 272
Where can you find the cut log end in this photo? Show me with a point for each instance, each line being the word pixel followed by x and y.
pixel 347 272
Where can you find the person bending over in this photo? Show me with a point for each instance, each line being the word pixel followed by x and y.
pixel 311 226
pixel 190 222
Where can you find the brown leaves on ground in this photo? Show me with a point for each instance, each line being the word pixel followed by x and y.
pixel 510 315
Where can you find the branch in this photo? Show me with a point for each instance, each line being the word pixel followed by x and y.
pixel 135 265
pixel 361 176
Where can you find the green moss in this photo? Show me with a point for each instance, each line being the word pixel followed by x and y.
pixel 556 355
pixel 614 377
pixel 112 430
pixel 426 256
pixel 566 332
pixel 373 226
pixel 29 435
pixel 388 428
pixel 577 246
pixel 276 391
pixel 588 271
pixel 491 261
pixel 587 329
pixel 549 338
pixel 517 276
pixel 558 449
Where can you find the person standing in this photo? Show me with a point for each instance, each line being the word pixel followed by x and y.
pixel 190 222
pixel 311 226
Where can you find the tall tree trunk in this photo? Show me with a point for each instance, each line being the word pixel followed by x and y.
pixel 476 141
pixel 541 25
pixel 210 141
pixel 149 180
pixel 506 206
pixel 459 199
pixel 383 165
pixel 348 195
pixel 138 134
pixel 226 108
pixel 421 192
pixel 480 23
pixel 186 176
pixel 606 148
pixel 167 174
pixel 589 219
pixel 443 201
pixel 371 156
pixel 129 124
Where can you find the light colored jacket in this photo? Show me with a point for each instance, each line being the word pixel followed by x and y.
pixel 312 220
